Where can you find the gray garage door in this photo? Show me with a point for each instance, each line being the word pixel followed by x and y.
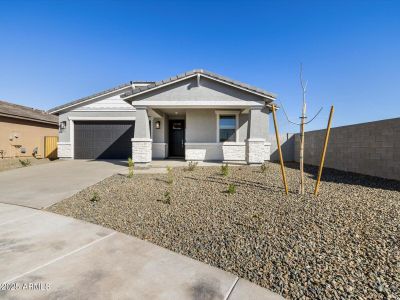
pixel 103 139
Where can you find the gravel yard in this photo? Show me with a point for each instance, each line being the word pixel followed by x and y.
pixel 342 244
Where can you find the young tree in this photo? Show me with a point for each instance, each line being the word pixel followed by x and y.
pixel 302 120
pixel 302 128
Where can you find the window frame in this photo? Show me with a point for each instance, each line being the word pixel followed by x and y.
pixel 228 113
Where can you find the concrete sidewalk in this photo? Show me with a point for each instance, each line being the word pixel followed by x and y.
pixel 43 185
pixel 48 256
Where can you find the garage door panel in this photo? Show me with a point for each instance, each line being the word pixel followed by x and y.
pixel 103 139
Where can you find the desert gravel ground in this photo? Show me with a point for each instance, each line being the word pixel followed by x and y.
pixel 343 244
pixel 14 163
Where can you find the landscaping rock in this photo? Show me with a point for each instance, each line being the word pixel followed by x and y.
pixel 342 244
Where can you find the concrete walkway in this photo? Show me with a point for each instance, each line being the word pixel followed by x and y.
pixel 43 185
pixel 48 256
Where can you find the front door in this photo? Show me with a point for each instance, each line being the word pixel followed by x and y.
pixel 177 138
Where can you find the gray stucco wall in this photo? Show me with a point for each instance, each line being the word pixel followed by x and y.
pixel 158 135
pixel 259 120
pixel 201 126
pixel 200 123
pixel 367 148
pixel 243 125
pixel 189 90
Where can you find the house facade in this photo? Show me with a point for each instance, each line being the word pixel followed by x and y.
pixel 198 116
pixel 23 130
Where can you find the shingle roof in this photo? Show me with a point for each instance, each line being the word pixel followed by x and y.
pixel 12 110
pixel 201 72
pixel 78 101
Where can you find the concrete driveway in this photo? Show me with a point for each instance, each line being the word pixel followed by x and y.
pixel 48 256
pixel 43 185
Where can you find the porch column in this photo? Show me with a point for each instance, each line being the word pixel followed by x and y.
pixel 141 143
pixel 255 143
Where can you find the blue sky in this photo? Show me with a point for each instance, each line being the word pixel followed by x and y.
pixel 52 52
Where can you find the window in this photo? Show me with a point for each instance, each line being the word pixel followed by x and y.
pixel 177 125
pixel 227 128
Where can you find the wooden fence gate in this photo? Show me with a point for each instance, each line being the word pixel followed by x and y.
pixel 50 147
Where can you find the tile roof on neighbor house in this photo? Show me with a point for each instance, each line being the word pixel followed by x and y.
pixel 12 110
pixel 80 100
pixel 205 73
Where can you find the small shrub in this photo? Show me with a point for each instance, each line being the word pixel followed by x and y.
pixel 263 168
pixel 231 189
pixel 25 162
pixel 95 197
pixel 225 170
pixel 131 166
pixel 192 165
pixel 170 179
pixel 167 197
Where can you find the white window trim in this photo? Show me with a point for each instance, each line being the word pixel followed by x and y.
pixel 228 112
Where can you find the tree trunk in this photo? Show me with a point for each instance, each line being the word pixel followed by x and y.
pixel 303 116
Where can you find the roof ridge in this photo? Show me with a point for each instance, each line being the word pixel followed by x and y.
pixel 13 110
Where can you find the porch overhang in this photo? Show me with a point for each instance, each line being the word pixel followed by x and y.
pixel 239 104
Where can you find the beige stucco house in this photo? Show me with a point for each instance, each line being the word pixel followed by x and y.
pixel 22 130
pixel 198 116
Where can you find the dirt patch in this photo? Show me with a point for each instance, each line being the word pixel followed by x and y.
pixel 15 163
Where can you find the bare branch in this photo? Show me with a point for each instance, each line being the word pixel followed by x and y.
pixel 284 111
pixel 303 86
pixel 314 116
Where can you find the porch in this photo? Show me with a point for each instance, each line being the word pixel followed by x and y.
pixel 200 116
pixel 235 135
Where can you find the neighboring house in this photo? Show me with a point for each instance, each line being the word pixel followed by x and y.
pixel 22 130
pixel 198 115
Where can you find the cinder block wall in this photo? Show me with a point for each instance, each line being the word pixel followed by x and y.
pixel 367 148
pixel 287 145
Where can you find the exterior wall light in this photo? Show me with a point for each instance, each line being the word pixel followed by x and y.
pixel 63 125
pixel 158 125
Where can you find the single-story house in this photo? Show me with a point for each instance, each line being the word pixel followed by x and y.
pixel 198 116
pixel 23 129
